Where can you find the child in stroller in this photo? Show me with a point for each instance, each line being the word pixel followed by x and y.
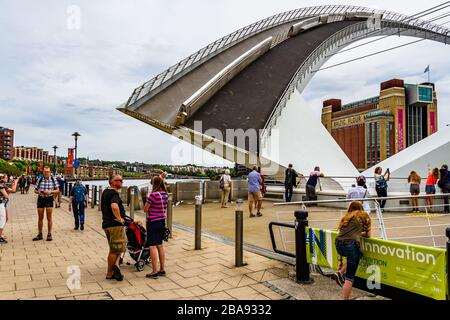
pixel 136 246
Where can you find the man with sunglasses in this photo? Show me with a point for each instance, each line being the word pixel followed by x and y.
pixel 113 213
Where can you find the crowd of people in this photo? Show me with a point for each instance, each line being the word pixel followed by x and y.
pixel 435 177
pixel 353 225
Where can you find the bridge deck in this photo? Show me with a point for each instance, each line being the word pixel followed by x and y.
pixel 248 100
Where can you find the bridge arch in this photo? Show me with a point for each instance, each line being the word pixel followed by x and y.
pixel 206 73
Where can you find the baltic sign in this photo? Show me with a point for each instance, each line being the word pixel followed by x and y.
pixel 404 266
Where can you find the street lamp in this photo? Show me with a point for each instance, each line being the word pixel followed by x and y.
pixel 76 135
pixel 54 159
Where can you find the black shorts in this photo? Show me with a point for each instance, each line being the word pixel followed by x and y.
pixel 45 202
pixel 155 232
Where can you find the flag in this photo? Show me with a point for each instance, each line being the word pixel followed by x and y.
pixel 427 69
pixel 70 157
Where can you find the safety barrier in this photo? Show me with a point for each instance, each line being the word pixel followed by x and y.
pixel 386 222
pixel 387 268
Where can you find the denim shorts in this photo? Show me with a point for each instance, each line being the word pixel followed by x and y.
pixel 430 189
pixel 351 250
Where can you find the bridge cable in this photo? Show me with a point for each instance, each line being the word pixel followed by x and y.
pixel 384 37
pixel 371 54
pixel 395 33
pixel 419 15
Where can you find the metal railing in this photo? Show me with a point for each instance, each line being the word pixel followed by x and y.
pixel 331 45
pixel 386 230
pixel 167 77
pixel 341 183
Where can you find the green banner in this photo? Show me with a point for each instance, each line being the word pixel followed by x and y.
pixel 404 266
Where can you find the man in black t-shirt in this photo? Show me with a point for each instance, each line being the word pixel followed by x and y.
pixel 113 213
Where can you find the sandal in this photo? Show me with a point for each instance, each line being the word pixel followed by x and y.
pixel 152 275
pixel 38 237
pixel 259 214
pixel 161 273
pixel 49 237
pixel 252 215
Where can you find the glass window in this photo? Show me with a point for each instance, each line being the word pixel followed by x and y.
pixel 425 94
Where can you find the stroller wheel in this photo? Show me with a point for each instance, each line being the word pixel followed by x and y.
pixel 140 265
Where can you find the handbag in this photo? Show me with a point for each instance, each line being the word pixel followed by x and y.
pixel 166 231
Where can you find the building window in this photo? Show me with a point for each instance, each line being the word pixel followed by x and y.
pixel 425 94
pixel 388 139
pixel 415 124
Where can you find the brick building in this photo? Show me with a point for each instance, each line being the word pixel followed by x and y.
pixel 6 144
pixel 371 130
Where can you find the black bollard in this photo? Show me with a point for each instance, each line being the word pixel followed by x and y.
pixel 301 264
pixel 70 188
pixel 447 233
pixel 239 235
pixel 198 224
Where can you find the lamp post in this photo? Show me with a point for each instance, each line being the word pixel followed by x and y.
pixel 54 159
pixel 76 135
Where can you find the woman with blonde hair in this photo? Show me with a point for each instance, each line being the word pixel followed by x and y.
pixel 353 225
pixel 414 188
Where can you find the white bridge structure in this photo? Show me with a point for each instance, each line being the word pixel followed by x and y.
pixel 252 79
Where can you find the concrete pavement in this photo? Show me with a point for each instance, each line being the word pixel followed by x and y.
pixel 39 270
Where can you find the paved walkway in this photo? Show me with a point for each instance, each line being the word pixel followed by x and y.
pixel 38 270
pixel 256 230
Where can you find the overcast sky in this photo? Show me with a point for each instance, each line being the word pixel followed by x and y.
pixel 55 80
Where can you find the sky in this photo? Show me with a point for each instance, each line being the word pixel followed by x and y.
pixel 60 74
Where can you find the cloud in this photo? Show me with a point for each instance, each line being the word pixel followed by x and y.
pixel 55 81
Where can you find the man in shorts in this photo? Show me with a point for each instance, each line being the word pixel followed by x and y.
pixel 254 192
pixel 113 214
pixel 46 187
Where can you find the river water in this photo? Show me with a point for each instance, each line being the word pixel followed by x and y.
pixel 134 182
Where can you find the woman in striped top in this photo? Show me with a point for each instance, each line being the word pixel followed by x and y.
pixel 155 208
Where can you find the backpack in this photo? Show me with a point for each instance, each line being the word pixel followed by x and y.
pixel 79 193
pixel 381 183
pixel 42 179
pixel 222 183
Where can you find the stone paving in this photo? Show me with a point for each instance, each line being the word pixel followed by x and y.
pixel 39 270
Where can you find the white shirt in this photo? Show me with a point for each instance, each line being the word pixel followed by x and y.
pixel 359 192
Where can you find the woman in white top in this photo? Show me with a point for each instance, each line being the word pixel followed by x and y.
pixel 225 184
pixel 360 192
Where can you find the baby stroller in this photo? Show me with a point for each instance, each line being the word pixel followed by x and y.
pixel 136 246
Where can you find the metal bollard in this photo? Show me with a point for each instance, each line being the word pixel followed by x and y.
pixel 170 214
pixel 100 192
pixel 447 233
pixel 70 188
pixel 301 265
pixel 239 235
pixel 94 197
pixel 87 190
pixel 132 203
pixel 198 223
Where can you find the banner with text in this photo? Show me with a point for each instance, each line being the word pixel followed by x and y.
pixel 404 266
pixel 70 157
